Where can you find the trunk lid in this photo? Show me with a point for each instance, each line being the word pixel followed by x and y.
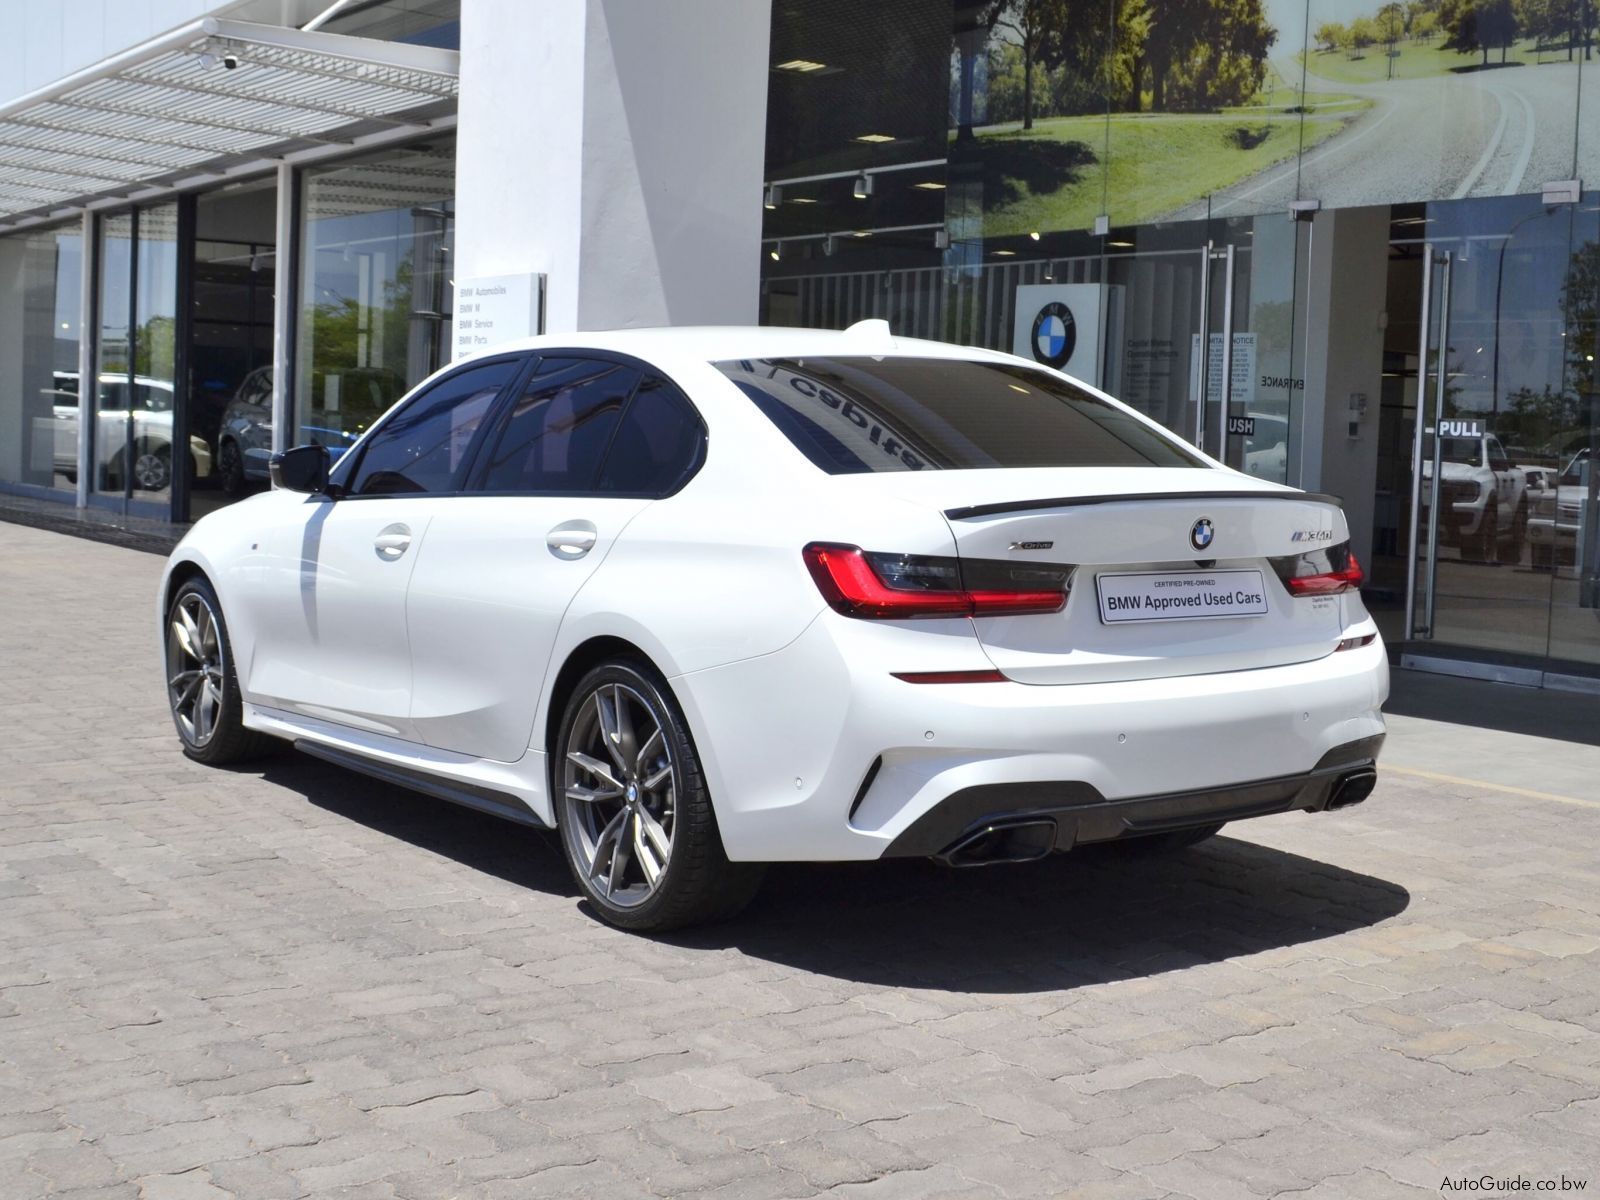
pixel 1146 601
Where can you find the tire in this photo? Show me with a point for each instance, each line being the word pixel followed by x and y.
pixel 152 467
pixel 230 468
pixel 636 821
pixel 1168 843
pixel 202 687
pixel 1517 535
pixel 1480 546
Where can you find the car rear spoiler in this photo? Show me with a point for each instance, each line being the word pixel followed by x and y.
pixel 1010 506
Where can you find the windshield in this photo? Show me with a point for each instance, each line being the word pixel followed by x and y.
pixel 1577 473
pixel 856 415
pixel 1461 450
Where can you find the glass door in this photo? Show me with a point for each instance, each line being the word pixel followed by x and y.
pixel 1491 415
pixel 135 400
pixel 1206 334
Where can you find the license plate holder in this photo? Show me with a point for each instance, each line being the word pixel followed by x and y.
pixel 1129 597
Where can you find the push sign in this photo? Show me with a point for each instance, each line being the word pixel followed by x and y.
pixel 1461 428
pixel 1241 426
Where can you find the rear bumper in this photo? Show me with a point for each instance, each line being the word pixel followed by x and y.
pixel 1081 815
pixel 817 752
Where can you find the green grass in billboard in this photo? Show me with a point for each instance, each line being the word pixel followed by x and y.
pixel 1141 166
pixel 1418 60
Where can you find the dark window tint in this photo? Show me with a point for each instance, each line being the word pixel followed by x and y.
pixel 560 428
pixel 657 446
pixel 423 447
pixel 853 415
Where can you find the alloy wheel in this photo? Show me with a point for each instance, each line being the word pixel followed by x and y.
pixel 150 471
pixel 194 668
pixel 618 775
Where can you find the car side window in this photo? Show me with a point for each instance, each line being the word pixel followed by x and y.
pixel 557 433
pixel 423 447
pixel 657 446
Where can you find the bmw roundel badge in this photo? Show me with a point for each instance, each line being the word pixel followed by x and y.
pixel 1055 334
pixel 1202 533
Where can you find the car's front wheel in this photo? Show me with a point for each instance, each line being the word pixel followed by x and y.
pixel 634 812
pixel 202 688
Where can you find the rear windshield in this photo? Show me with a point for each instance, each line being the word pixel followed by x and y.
pixel 856 415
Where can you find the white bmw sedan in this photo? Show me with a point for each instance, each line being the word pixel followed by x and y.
pixel 704 599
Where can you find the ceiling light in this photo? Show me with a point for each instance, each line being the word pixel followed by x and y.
pixel 875 138
pixel 1125 245
pixel 1034 235
pixel 803 200
pixel 1002 253
pixel 861 233
pixel 773 196
pixel 863 186
pixel 929 185
pixel 800 65
pixel 776 252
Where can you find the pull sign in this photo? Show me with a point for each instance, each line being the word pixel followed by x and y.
pixel 1241 426
pixel 1461 428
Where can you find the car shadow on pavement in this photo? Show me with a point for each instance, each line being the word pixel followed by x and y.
pixel 1095 914
pixel 1092 915
pixel 519 854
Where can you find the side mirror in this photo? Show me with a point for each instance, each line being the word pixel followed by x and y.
pixel 302 469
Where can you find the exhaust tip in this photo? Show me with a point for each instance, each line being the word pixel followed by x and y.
pixel 1352 789
pixel 1001 842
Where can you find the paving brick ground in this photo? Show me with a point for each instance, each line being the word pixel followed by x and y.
pixel 288 982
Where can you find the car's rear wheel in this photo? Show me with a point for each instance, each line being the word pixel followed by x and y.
pixel 230 468
pixel 202 689
pixel 152 466
pixel 634 812
pixel 1169 842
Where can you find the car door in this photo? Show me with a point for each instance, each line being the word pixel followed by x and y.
pixel 578 453
pixel 333 641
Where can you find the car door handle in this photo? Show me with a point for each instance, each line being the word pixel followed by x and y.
pixel 392 541
pixel 571 539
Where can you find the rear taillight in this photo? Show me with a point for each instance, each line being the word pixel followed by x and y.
pixel 890 587
pixel 1325 572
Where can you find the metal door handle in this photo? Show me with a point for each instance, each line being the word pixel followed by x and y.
pixel 571 539
pixel 392 541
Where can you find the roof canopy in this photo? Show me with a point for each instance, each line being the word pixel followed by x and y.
pixel 174 109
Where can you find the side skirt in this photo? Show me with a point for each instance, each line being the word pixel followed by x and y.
pixel 499 804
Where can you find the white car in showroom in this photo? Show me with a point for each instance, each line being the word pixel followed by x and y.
pixel 705 599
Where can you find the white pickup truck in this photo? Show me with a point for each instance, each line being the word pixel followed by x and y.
pixel 1483 498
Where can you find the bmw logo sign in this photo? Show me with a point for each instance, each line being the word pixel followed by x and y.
pixel 1202 533
pixel 1055 334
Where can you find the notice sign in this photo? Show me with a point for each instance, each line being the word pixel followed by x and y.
pixel 492 309
pixel 1180 596
pixel 1242 370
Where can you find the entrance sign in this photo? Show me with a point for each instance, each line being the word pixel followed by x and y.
pixel 1060 325
pixel 493 309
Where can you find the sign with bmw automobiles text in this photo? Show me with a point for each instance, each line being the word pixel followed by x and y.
pixel 1180 595
pixel 492 309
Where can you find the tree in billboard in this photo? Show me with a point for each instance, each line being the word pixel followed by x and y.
pixel 1203 54
pixel 1556 21
pixel 1478 26
pixel 1330 36
pixel 1391 26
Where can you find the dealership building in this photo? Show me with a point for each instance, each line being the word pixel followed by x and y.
pixel 1306 235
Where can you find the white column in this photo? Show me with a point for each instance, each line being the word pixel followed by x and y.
pixel 88 351
pixel 616 146
pixel 286 257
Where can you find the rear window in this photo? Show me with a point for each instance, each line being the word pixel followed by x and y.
pixel 857 415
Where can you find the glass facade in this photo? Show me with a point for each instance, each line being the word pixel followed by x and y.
pixel 375 289
pixel 1281 228
pixel 135 397
pixel 40 288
